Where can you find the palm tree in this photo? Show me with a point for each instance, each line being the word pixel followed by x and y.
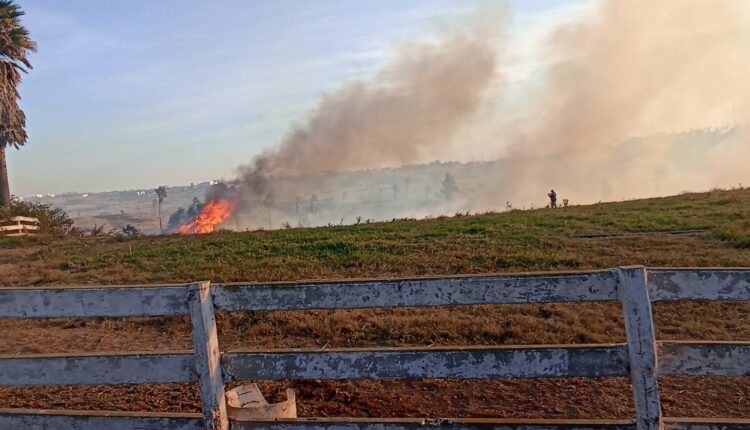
pixel 15 46
pixel 161 194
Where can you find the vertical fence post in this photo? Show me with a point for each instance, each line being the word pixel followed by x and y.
pixel 639 327
pixel 207 356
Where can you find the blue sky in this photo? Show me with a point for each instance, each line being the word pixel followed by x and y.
pixel 128 95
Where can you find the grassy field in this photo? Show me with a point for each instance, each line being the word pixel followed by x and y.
pixel 624 233
pixel 514 241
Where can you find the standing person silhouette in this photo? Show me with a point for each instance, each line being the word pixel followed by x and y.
pixel 552 199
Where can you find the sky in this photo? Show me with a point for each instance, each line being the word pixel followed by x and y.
pixel 131 95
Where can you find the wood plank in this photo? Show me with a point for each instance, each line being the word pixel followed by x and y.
pixel 473 290
pixel 207 356
pixel 41 419
pixel 699 284
pixel 78 369
pixel 639 328
pixel 704 358
pixel 422 424
pixel 116 301
pixel 25 219
pixel 469 362
pixel 674 423
pixel 12 227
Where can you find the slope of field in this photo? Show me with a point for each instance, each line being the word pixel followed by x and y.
pixel 707 229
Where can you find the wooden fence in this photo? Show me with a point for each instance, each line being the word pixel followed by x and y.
pixel 20 226
pixel 634 287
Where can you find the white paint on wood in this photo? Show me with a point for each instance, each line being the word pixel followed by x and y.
pixel 628 285
pixel 486 424
pixel 479 424
pixel 699 284
pixel 76 369
pixel 23 226
pixel 438 423
pixel 207 356
pixel 116 301
pixel 400 363
pixel 474 290
pixel 41 419
pixel 639 328
pixel 25 219
pixel 707 423
pixel 704 358
pixel 12 227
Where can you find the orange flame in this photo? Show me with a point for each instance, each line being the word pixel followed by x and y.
pixel 213 213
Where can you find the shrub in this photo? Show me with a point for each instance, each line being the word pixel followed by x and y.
pixel 97 230
pixel 51 220
pixel 131 231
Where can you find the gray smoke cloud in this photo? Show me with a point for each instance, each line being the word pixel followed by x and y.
pixel 407 113
pixel 633 68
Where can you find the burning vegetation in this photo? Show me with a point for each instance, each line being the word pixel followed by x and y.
pixel 630 68
pixel 211 214
pixel 202 218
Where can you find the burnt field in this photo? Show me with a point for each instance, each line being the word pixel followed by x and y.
pixel 709 229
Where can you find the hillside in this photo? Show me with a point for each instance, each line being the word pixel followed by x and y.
pixel 513 241
pixel 418 190
pixel 702 229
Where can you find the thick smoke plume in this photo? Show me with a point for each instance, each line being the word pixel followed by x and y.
pixel 637 68
pixel 633 68
pixel 414 107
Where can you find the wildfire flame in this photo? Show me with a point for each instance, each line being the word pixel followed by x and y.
pixel 213 213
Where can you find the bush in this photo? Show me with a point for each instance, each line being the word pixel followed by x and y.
pixel 51 220
pixel 131 231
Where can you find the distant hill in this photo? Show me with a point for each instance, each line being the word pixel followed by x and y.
pixel 642 167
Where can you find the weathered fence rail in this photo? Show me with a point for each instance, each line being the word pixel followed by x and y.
pixel 20 226
pixel 634 287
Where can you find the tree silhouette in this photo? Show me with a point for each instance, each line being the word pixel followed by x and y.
pixel 161 194
pixel 15 45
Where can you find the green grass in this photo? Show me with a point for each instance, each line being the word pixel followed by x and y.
pixel 514 241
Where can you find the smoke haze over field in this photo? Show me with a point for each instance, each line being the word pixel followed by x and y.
pixel 633 68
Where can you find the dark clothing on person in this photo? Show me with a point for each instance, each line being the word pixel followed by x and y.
pixel 552 199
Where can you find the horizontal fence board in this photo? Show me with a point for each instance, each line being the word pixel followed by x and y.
pixel 39 419
pixel 488 424
pixel 475 290
pixel 706 423
pixel 25 219
pixel 74 369
pixel 116 301
pixel 11 227
pixel 401 363
pixel 418 423
pixel 704 358
pixel 32 419
pixel 699 284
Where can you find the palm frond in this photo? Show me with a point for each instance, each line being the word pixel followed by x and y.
pixel 15 46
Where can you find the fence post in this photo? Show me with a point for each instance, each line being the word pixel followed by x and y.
pixel 207 356
pixel 639 328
